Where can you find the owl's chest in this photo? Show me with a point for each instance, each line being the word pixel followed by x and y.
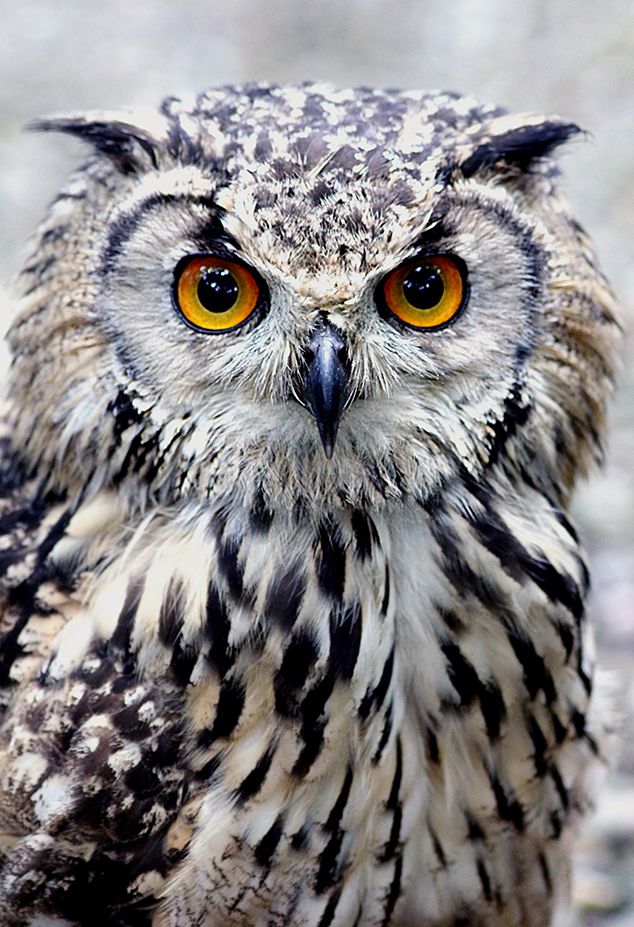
pixel 353 734
pixel 330 795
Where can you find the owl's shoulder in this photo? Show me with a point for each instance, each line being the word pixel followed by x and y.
pixel 97 746
pixel 35 590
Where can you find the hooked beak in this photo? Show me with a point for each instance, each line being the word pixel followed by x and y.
pixel 325 387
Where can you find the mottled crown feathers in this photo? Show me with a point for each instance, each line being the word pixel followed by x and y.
pixel 132 139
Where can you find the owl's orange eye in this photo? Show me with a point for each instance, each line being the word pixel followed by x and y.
pixel 427 292
pixel 215 295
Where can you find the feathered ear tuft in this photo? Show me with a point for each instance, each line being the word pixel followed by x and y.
pixel 518 142
pixel 131 140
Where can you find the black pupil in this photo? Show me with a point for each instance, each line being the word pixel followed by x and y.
pixel 423 287
pixel 217 289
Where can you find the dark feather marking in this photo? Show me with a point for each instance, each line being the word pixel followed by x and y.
pixel 8 558
pixel 438 847
pixel 299 658
pixel 385 736
pixel 519 146
pixel 70 886
pixel 300 838
pixel 331 562
pixel 543 865
pixel 120 641
pixel 124 413
pixel 470 687
pixel 13 474
pixel 27 516
pixel 228 711
pixel 184 659
pixel 365 533
pixel 565 522
pixel 115 139
pixel 252 784
pixel 260 516
pixel 374 698
pixel 432 750
pixel 474 830
pixel 485 881
pixel 515 415
pixel 207 772
pixel 461 673
pixel 566 637
pixel 345 640
pixel 562 791
pixel 536 675
pixel 55 232
pixel 313 738
pixel 230 566
pixel 462 577
pixel 217 628
pixel 385 604
pixel 313 724
pixel 583 676
pixel 451 619
pixel 329 911
pixel 518 562
pixel 327 871
pixel 559 729
pixel 393 804
pixel 141 447
pixel 171 612
pixel 492 707
pixel 143 781
pixel 579 724
pixel 265 850
pixel 24 595
pixel 285 596
pixel 182 146
pixel 123 228
pixel 394 892
pixel 127 719
pixel 507 804
pixel 557 586
pixel 156 463
pixel 39 266
pixel 540 746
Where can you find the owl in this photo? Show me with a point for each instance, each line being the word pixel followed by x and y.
pixel 292 609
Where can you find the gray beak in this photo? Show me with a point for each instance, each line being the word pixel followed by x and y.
pixel 325 387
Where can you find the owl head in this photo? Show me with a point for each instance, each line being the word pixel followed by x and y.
pixel 311 296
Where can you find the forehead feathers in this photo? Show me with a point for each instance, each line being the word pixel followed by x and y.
pixel 280 132
pixel 324 173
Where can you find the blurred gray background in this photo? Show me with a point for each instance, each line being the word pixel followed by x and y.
pixel 571 57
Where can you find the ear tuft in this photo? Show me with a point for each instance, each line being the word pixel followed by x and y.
pixel 131 145
pixel 518 145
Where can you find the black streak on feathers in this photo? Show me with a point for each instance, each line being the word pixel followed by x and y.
pixel 519 146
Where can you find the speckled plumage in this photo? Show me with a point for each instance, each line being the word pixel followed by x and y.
pixel 245 684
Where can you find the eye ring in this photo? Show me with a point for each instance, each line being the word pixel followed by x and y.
pixel 215 295
pixel 426 293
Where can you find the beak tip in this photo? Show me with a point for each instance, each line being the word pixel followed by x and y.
pixel 328 439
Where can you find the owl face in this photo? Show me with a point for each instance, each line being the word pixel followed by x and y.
pixel 319 294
